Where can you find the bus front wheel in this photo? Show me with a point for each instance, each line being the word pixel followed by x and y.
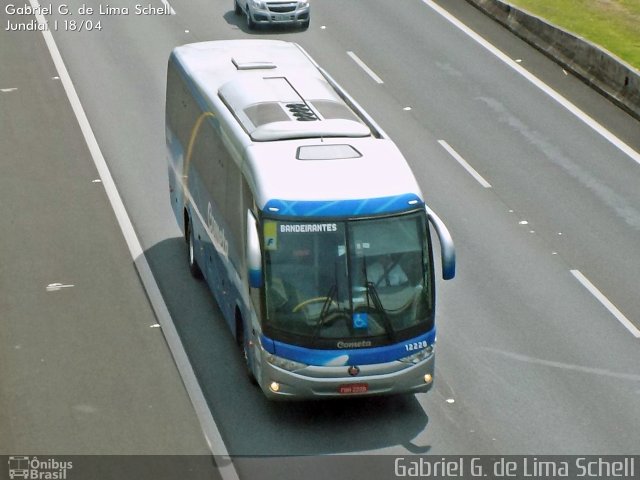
pixel 242 338
pixel 191 254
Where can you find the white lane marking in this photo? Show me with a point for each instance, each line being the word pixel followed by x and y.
pixel 364 67
pixel 610 137
pixel 8 90
pixel 565 366
pixel 168 6
pixel 464 164
pixel 606 303
pixel 54 287
pixel 207 423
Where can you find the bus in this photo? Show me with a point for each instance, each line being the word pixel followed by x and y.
pixel 305 221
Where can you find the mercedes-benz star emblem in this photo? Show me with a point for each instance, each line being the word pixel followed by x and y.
pixel 353 370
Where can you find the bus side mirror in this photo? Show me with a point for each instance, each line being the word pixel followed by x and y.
pixel 254 256
pixel 447 250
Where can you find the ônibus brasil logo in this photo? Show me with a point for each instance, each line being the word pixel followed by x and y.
pixel 38 469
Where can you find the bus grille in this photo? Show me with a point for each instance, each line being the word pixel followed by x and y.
pixel 301 112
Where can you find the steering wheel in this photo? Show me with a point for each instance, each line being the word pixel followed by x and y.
pixel 309 301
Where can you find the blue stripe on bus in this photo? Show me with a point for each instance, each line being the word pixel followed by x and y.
pixel 342 208
pixel 356 356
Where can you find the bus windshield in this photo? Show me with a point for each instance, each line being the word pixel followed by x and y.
pixel 330 283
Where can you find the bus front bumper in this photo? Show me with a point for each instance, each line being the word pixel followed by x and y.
pixel 310 383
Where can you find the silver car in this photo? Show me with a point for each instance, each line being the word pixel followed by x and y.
pixel 273 12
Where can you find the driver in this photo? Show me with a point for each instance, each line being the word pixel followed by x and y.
pixel 385 272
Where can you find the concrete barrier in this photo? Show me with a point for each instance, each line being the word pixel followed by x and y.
pixel 603 71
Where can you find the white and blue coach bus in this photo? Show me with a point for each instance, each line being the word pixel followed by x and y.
pixel 305 221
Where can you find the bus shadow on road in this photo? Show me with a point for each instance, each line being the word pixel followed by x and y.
pixel 353 425
pixel 250 424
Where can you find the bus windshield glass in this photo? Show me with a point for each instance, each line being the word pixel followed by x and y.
pixel 334 282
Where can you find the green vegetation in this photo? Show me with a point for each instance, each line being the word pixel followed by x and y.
pixel 612 24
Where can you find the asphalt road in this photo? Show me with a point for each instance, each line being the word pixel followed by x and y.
pixel 83 367
pixel 529 361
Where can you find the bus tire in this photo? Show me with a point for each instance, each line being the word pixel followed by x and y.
pixel 242 339
pixel 191 254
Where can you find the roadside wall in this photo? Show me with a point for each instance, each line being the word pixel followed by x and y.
pixel 601 70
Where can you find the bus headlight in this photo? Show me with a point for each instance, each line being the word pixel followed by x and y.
pixel 284 363
pixel 418 356
pixel 274 387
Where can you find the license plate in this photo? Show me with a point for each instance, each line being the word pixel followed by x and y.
pixel 353 388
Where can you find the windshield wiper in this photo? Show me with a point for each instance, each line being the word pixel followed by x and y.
pixel 333 292
pixel 373 293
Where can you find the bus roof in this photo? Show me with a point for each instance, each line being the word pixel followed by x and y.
pixel 332 177
pixel 299 141
pixel 272 88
